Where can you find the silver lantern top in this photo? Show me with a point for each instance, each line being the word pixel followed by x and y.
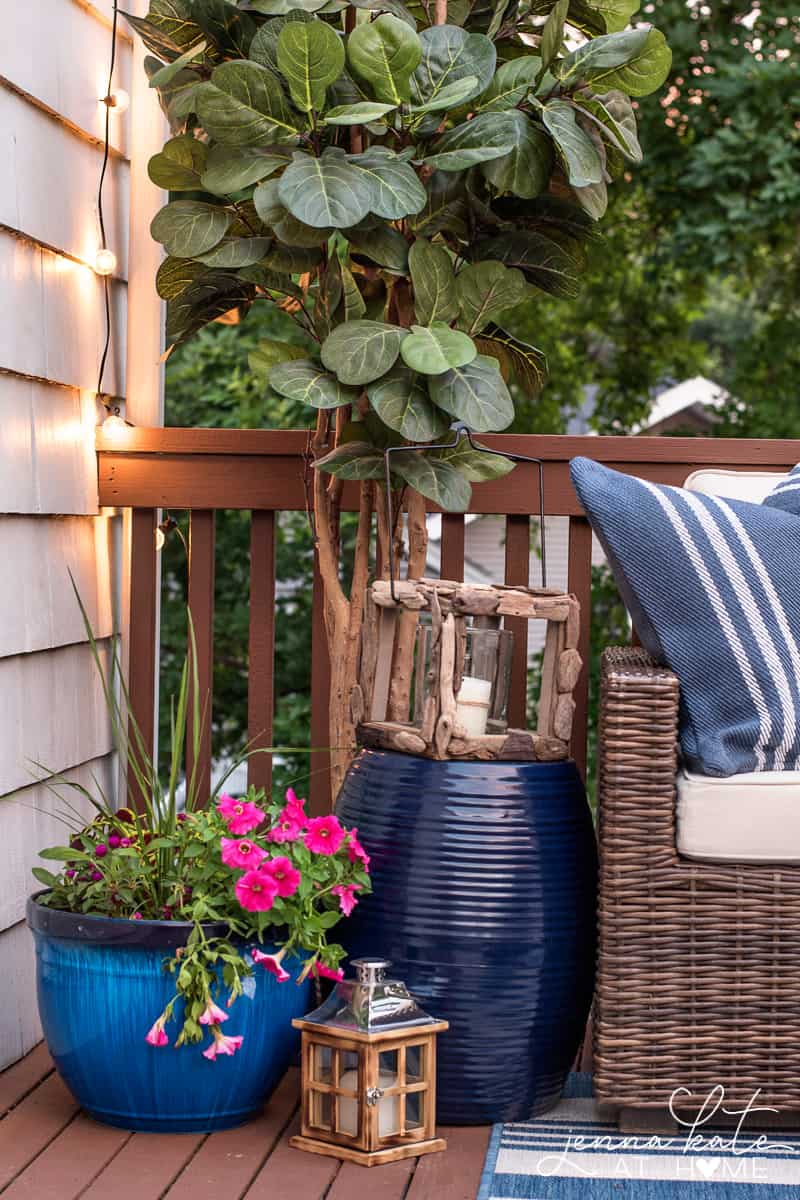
pixel 369 1003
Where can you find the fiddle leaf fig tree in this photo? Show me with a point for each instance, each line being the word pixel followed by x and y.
pixel 397 178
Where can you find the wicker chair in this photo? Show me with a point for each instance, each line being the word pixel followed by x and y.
pixel 699 964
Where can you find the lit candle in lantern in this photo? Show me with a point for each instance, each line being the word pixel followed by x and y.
pixel 472 704
pixel 388 1106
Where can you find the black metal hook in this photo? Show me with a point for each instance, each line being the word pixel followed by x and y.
pixel 460 430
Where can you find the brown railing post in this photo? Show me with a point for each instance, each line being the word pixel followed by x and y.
pixel 261 652
pixel 142 638
pixel 518 562
pixel 580 582
pixel 201 607
pixel 452 557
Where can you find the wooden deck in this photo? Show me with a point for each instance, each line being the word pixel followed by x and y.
pixel 49 1150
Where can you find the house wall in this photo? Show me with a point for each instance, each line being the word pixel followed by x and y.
pixel 54 58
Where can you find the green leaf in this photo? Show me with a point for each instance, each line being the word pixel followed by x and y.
pixel 401 400
pixel 293 260
pixel 476 394
pixel 325 191
pixel 309 383
pixel 525 171
pixel 46 877
pixel 642 73
pixel 64 854
pixel 510 85
pixel 435 479
pixel 272 281
pixel 179 166
pixel 264 46
pixel 602 16
pixel 174 19
pixel 187 228
pixel 233 252
pixel 434 282
pixel 517 359
pixel 282 8
pixel 267 202
pixel 472 464
pixel 230 168
pixel 450 96
pixel 490 135
pixel 358 114
pixel 268 353
pixel 360 351
pixel 229 27
pixel 310 56
pixel 433 349
pixel 395 190
pixel 553 33
pixel 166 74
pixel 176 275
pixel 354 460
pixel 243 105
pixel 445 208
pixel 211 295
pixel 450 55
pixel 578 151
pixel 385 54
pixel 352 300
pixel 395 7
pixel 156 41
pixel 614 115
pixel 296 233
pixel 385 246
pixel 593 199
pixel 551 267
pixel 485 290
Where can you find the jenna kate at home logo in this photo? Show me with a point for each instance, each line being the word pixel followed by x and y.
pixel 731 1152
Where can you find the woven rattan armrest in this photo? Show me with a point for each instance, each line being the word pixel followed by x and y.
pixel 638 758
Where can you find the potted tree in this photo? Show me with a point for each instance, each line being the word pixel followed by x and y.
pixel 397 177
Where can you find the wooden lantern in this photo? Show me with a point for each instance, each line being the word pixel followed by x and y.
pixel 369 1072
pixel 438 734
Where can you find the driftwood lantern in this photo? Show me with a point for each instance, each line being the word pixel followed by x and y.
pixel 369 1072
pixel 460 682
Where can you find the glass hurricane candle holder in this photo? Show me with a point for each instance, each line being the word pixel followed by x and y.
pixel 369 1072
pixel 483 689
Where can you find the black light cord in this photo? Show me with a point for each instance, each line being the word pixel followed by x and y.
pixel 107 100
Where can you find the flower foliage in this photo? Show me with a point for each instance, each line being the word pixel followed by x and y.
pixel 396 186
pixel 293 890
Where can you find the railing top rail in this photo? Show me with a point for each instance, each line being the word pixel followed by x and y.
pixel 268 469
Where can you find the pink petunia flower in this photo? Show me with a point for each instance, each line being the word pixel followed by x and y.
pixel 287 877
pixel 256 891
pixel 272 962
pixel 156 1035
pixel 240 815
pixel 355 851
pixel 293 805
pixel 213 1014
pixel 324 835
pixel 243 854
pixel 346 893
pixel 320 971
pixel 222 1044
pixel 287 828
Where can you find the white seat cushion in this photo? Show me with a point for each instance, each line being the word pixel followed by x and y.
pixel 752 486
pixel 745 818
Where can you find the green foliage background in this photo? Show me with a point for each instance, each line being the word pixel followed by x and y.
pixel 697 272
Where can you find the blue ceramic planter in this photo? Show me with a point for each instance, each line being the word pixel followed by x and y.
pixel 101 984
pixel 484 900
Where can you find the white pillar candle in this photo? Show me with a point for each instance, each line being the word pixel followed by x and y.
pixel 388 1106
pixel 472 704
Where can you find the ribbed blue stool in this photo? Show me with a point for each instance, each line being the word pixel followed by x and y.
pixel 485 881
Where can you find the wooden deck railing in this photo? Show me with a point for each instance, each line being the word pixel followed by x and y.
pixel 203 470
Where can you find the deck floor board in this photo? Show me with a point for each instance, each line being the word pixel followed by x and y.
pixel 49 1150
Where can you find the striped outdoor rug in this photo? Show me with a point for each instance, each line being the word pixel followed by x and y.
pixel 570 1154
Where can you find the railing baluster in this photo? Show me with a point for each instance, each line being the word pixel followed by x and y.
pixel 452 564
pixel 261 653
pixel 319 792
pixel 518 557
pixel 142 639
pixel 580 582
pixel 201 607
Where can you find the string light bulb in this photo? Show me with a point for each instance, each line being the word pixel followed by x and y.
pixel 161 537
pixel 117 102
pixel 105 261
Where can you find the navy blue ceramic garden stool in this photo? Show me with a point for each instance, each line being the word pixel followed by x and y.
pixel 101 983
pixel 484 900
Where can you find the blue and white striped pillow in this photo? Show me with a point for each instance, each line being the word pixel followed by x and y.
pixel 787 494
pixel 714 592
